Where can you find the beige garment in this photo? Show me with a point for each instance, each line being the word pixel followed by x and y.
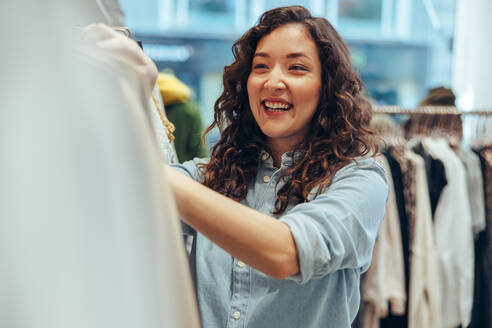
pixel 424 298
pixel 408 176
pixel 166 146
pixel 384 282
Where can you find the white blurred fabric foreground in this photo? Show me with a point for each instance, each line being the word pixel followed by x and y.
pixel 88 233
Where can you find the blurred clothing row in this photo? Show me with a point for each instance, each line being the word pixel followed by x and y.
pixel 432 262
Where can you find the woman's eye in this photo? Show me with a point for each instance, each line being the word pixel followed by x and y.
pixel 259 66
pixel 298 68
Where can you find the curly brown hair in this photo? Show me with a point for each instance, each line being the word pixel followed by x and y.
pixel 339 128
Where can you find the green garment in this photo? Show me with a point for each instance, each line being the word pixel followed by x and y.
pixel 186 118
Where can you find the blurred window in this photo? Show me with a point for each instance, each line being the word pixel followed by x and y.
pixel 270 4
pixel 215 15
pixel 360 17
pixel 399 47
pixel 369 10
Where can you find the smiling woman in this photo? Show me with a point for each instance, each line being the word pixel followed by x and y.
pixel 286 210
pixel 284 87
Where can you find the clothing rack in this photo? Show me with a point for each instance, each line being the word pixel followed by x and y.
pixel 429 110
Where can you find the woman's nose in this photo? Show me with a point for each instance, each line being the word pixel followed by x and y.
pixel 275 81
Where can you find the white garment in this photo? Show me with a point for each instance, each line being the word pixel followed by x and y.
pixel 88 231
pixel 116 49
pixel 474 182
pixel 384 281
pixel 424 298
pixel 454 238
pixel 111 9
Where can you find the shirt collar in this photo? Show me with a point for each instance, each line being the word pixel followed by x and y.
pixel 286 160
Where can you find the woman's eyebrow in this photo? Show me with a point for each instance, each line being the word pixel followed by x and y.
pixel 290 55
pixel 261 54
pixel 297 54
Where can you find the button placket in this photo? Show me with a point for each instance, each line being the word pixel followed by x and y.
pixel 241 293
pixel 259 199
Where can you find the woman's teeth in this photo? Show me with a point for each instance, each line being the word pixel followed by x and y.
pixel 276 106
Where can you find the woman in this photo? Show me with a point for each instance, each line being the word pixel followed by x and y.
pixel 288 206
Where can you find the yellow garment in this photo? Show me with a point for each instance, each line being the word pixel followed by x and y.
pixel 172 90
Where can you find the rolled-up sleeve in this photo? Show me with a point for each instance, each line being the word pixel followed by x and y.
pixel 337 230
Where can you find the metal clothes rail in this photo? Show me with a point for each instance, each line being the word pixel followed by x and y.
pixel 449 110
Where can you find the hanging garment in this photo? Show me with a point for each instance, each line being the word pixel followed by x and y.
pixel 391 154
pixel 166 147
pixel 423 298
pixel 474 182
pixel 88 231
pixel 384 282
pixel 436 175
pixel 111 9
pixel 408 170
pixel 482 303
pixel 486 155
pixel 454 238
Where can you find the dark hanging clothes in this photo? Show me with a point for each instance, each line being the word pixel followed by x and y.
pixel 394 321
pixel 482 299
pixel 436 175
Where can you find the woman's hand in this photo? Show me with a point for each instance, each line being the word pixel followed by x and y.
pixel 257 239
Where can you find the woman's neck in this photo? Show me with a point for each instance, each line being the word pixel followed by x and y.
pixel 277 150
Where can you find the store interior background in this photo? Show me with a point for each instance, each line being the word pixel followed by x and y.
pixel 401 48
pixel 64 129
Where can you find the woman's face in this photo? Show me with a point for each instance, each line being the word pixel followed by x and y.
pixel 284 85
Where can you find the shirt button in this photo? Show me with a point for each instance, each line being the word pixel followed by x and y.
pixel 264 156
pixel 266 178
pixel 236 315
pixel 241 264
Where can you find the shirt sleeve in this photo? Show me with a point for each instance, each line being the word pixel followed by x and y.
pixel 337 230
pixel 190 168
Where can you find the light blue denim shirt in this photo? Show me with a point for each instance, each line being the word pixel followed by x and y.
pixel 334 235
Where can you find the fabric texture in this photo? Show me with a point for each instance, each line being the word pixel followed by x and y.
pixel 482 303
pixel 113 12
pixel 90 234
pixel 166 147
pixel 486 155
pixel 393 320
pixel 436 175
pixel 408 190
pixel 383 285
pixel 424 298
pixel 454 238
pixel 474 182
pixel 334 235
